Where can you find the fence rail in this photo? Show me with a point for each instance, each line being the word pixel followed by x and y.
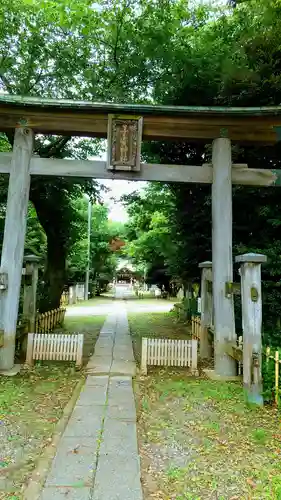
pixel 196 327
pixel 277 361
pixel 48 321
pixel 64 300
pixel 55 346
pixel 167 352
pixel 236 352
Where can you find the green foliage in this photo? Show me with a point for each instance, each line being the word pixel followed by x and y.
pixel 232 59
pixel 148 232
pixel 81 50
pixel 36 241
pixel 103 260
pixel 268 375
pixel 168 52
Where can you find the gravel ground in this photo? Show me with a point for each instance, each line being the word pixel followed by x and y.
pixel 30 406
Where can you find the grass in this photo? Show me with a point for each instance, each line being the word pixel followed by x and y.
pixel 30 406
pixel 90 327
pixel 198 439
pixel 209 444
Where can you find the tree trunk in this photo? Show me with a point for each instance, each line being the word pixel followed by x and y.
pixel 50 213
pixel 54 276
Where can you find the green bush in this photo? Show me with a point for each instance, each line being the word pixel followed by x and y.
pixel 190 307
pixel 268 374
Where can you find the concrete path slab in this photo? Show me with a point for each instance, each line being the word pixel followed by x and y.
pixel 105 344
pixel 88 397
pixel 74 463
pixel 96 368
pixel 67 493
pixel 97 457
pixel 123 367
pixel 118 478
pixel 119 437
pixel 120 398
pixel 123 356
pixel 88 426
pixel 100 359
pixel 97 380
pixel 125 412
pixel 101 350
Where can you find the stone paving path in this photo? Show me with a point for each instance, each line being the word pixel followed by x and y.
pixel 97 458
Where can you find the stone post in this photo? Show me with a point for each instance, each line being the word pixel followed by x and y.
pixel 30 290
pixel 206 308
pixel 72 295
pixel 250 271
pixel 222 256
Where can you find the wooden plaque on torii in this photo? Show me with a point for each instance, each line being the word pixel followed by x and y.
pixel 124 142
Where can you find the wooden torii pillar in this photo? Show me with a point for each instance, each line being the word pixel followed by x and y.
pixel 13 243
pixel 224 321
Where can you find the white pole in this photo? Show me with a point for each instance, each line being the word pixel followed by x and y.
pixel 86 292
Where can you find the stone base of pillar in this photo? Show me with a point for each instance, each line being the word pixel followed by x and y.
pixel 211 375
pixel 12 372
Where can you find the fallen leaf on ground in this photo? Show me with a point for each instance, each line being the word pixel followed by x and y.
pixel 251 483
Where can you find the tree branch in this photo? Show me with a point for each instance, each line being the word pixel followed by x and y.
pixel 120 21
pixel 6 84
pixel 37 80
pixel 53 149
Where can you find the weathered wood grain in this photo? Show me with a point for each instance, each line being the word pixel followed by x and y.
pixel 91 119
pixel 206 309
pixel 149 172
pixel 252 323
pixel 222 255
pixel 13 242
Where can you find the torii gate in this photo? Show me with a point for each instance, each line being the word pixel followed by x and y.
pixel 125 126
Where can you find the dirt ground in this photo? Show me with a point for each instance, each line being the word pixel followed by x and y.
pixel 198 439
pixel 31 404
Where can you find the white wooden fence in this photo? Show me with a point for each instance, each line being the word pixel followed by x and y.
pixel 167 352
pixel 55 346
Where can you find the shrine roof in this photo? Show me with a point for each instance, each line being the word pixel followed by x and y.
pixel 69 117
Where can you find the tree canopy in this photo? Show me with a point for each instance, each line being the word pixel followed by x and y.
pixel 103 255
pixel 233 59
pixel 165 51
